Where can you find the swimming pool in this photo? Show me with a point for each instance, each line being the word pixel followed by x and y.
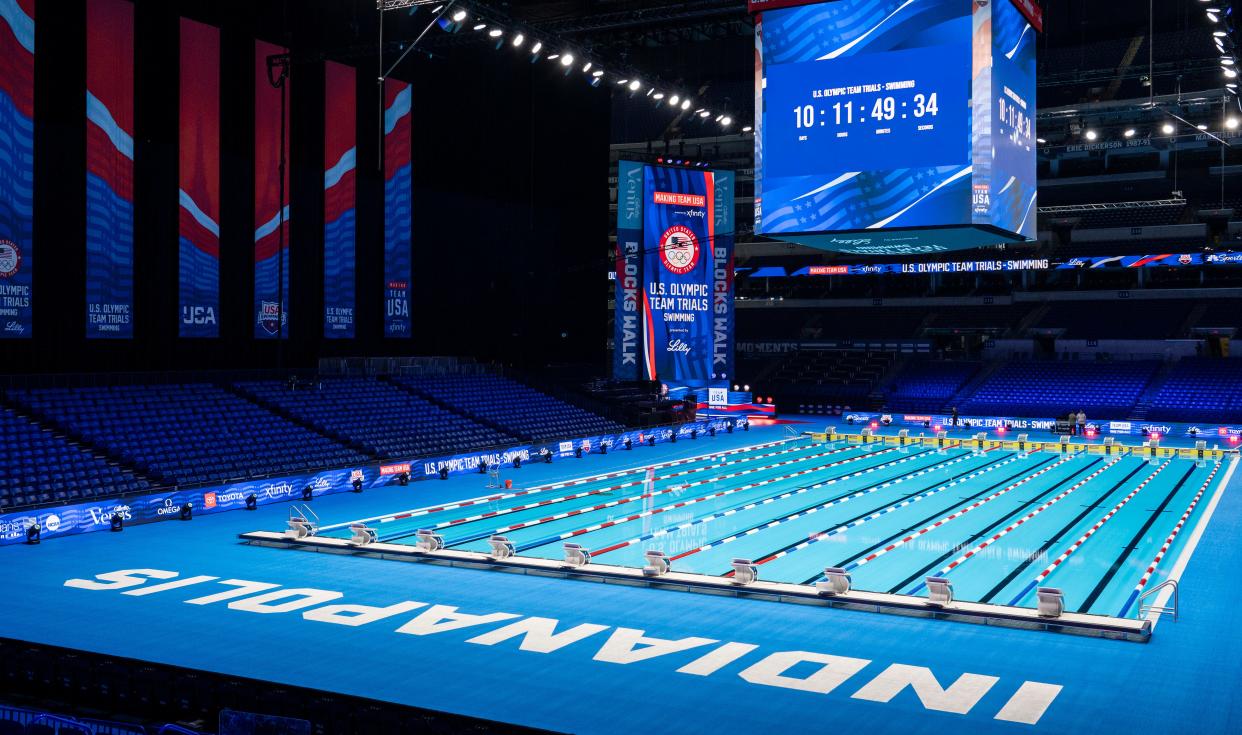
pixel 999 519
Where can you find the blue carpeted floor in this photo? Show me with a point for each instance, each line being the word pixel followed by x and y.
pixel 1183 681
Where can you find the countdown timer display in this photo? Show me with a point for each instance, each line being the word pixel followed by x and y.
pixel 908 110
pixel 904 126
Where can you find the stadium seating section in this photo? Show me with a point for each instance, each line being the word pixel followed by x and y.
pixel 378 417
pixel 1200 390
pixel 187 433
pixel 521 410
pixel 38 465
pixel 1050 388
pixel 926 386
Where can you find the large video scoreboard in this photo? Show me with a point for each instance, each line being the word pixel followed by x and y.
pixel 895 126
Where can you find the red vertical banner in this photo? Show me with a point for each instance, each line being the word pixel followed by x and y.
pixel 109 169
pixel 198 176
pixel 17 49
pixel 339 160
pixel 398 207
pixel 271 220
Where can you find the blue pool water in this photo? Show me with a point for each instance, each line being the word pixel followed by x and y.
pixel 998 523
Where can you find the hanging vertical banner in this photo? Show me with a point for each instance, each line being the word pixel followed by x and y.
pixel 397 208
pixel 339 154
pixel 17 39
pixel 687 273
pixel 271 261
pixel 198 215
pixel 109 169
pixel 626 327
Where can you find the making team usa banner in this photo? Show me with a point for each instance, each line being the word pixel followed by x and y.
pixel 17 46
pixel 109 169
pixel 687 269
pixel 339 154
pixel 397 208
pixel 626 325
pixel 198 216
pixel 271 261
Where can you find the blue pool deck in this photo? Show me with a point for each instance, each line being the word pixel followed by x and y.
pixel 602 658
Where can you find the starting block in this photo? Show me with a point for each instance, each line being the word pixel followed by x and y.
pixel 939 591
pixel 429 540
pixel 577 555
pixel 362 534
pixel 837 582
pixel 744 571
pixel 302 523
pixel 1051 602
pixel 658 564
pixel 502 547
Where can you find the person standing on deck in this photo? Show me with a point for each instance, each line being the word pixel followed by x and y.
pixel 1082 423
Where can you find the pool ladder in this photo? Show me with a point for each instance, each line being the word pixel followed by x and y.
pixel 1144 610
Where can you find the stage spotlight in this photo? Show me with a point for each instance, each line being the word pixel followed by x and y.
pixel 403 479
pixel 116 523
pixel 1041 141
pixel 711 430
pixel 519 39
pixel 587 67
pixel 567 59
pixel 546 454
pixel 187 512
pixel 635 85
pixel 1091 135
pixel 444 473
pixel 746 388
pixel 597 73
pixel 1167 129
pixel 517 463
pixel 1129 133
pixel 537 47
pixel 659 95
pixel 33 533
pixel 308 493
pixel 603 447
pixel 746 425
pixel 252 502
pixel 651 440
pixel 1201 127
pixel 694 434
pixel 578 451
pixel 1230 73
pixel 459 16
pixel 495 33
pixel 735 387
pixel 622 81
pixel 747 129
pixel 480 26
pixel 674 100
pixel 482 467
pixel 1231 123
pixel 685 104
pixel 705 113
pixel 553 57
pixel 673 438
pixel 357 483
pixel 727 121
pixel 729 428
pixel 629 444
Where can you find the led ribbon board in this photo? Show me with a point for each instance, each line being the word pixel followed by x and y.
pixel 895 126
pixel 674 304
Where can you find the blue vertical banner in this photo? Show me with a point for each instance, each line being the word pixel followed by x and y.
pixel 722 279
pixel 198 211
pixel 109 169
pixel 17 48
pixel 626 326
pixel 397 208
pixel 679 227
pixel 272 227
pixel 339 157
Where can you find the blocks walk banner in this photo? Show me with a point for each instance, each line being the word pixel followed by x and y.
pixel 198 215
pixel 109 169
pixel 398 208
pixel 271 220
pixel 339 200
pixel 17 48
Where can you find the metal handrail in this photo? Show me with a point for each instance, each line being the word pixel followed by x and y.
pixel 1143 611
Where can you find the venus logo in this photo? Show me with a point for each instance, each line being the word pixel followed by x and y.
pixel 679 249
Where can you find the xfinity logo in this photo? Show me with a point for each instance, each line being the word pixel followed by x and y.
pixel 591 644
pixel 277 490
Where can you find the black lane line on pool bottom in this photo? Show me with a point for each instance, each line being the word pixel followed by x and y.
pixel 1039 553
pixel 937 514
pixel 957 548
pixel 1125 550
pixel 768 557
